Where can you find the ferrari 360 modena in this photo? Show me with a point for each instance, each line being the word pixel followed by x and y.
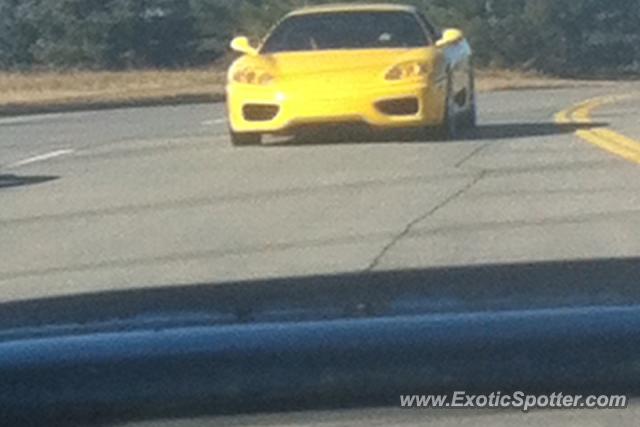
pixel 382 65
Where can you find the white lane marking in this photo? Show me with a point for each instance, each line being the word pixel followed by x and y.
pixel 41 158
pixel 29 119
pixel 214 122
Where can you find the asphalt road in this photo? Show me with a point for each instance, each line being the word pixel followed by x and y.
pixel 137 198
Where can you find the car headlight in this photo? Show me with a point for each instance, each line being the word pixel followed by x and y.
pixel 252 76
pixel 407 70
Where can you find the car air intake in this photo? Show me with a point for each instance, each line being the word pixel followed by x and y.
pixel 399 107
pixel 260 113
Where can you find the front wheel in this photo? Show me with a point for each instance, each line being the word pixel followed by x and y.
pixel 470 117
pixel 243 139
pixel 448 130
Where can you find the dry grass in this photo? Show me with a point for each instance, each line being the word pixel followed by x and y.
pixel 500 80
pixel 58 91
pixel 49 91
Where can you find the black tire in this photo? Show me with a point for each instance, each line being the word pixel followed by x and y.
pixel 244 139
pixel 469 120
pixel 448 130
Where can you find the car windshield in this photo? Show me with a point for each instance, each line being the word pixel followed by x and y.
pixel 346 30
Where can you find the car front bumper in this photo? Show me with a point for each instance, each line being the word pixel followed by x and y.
pixel 279 110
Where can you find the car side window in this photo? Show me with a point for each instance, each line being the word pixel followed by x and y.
pixel 432 31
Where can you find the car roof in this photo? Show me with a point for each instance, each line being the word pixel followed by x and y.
pixel 350 7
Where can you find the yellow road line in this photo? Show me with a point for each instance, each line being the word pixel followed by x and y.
pixel 610 146
pixel 606 139
pixel 617 138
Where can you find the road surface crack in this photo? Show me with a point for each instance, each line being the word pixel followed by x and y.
pixel 471 155
pixel 410 226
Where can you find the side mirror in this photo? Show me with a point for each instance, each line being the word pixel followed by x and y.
pixel 242 45
pixel 449 37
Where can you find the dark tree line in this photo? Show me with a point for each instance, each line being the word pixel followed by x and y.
pixel 565 37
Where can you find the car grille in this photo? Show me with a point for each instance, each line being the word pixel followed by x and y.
pixel 260 113
pixel 399 107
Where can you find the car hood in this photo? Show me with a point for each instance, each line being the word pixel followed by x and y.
pixel 344 61
pixel 336 68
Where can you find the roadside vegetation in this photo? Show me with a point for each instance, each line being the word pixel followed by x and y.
pixel 561 37
pixel 98 52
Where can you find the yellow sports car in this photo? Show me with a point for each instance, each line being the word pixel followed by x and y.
pixel 383 65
